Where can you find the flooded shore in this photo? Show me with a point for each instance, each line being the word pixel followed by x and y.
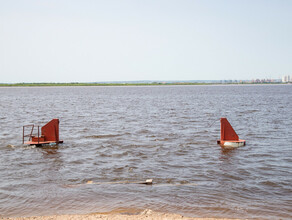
pixel 130 134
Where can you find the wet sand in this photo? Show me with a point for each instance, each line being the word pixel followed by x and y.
pixel 144 215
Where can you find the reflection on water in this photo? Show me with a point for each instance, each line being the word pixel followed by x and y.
pixel 164 133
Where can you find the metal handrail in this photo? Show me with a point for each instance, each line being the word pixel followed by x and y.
pixel 30 134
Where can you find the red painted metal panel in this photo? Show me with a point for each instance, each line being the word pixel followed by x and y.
pixel 51 131
pixel 227 132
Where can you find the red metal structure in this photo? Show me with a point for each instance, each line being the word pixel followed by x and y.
pixel 229 138
pixel 49 134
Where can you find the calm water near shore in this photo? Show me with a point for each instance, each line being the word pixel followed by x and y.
pixel 166 133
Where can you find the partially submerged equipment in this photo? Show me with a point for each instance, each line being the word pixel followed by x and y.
pixel 49 134
pixel 147 182
pixel 229 138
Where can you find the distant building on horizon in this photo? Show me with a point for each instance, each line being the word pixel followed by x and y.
pixel 256 81
pixel 286 78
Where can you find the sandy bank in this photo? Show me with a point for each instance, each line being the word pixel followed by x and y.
pixel 145 215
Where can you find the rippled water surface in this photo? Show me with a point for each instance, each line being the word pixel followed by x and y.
pixel 166 133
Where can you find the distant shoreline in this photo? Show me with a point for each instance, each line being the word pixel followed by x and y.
pixel 126 84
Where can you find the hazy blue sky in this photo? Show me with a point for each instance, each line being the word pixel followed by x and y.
pixel 113 40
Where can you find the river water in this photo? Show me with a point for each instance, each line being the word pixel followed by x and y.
pixel 164 133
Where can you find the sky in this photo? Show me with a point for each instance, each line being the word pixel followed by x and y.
pixel 129 40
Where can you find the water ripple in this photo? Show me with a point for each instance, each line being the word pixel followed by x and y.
pixel 118 134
